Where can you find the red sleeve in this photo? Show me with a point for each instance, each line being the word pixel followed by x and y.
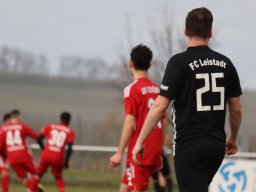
pixel 44 131
pixel 71 137
pixel 1 141
pixel 130 102
pixel 30 132
pixel 2 144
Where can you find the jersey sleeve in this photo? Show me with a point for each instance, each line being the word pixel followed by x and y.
pixel 30 132
pixel 71 137
pixel 1 140
pixel 171 79
pixel 234 87
pixel 129 101
pixel 44 130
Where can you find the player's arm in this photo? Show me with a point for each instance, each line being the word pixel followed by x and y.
pixel 164 127
pixel 154 115
pixel 2 143
pixel 40 141
pixel 235 117
pixel 43 134
pixel 128 127
pixel 30 132
pixel 69 152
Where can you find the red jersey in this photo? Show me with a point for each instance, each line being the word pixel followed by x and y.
pixel 57 136
pixel 2 153
pixel 138 98
pixel 3 164
pixel 13 141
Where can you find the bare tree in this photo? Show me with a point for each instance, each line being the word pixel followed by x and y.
pixel 164 42
pixel 160 32
pixel 78 67
pixel 13 60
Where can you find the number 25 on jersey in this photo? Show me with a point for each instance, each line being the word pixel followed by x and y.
pixel 209 88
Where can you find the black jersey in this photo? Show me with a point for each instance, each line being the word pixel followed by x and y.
pixel 199 81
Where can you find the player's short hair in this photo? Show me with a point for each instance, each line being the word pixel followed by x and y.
pixel 199 22
pixel 6 117
pixel 65 117
pixel 15 113
pixel 141 57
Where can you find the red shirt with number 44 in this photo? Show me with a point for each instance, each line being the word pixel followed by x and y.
pixel 13 141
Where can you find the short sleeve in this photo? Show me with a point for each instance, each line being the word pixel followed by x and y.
pixel 71 137
pixel 44 130
pixel 129 101
pixel 234 87
pixel 171 79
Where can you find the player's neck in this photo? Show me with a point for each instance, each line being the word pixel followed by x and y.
pixel 137 74
pixel 14 121
pixel 197 41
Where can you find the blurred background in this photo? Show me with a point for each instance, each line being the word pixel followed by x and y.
pixel 72 55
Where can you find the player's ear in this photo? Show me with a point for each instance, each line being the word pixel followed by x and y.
pixel 186 31
pixel 131 64
pixel 210 34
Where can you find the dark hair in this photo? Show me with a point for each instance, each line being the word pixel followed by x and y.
pixel 141 57
pixel 199 22
pixel 6 117
pixel 15 113
pixel 65 118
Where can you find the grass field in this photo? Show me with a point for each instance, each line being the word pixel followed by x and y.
pixel 79 181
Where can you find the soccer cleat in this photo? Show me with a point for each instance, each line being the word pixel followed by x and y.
pixel 40 188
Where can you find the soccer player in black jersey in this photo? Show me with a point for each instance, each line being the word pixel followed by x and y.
pixel 201 84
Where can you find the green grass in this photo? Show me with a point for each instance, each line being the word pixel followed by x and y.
pixel 52 188
pixel 79 181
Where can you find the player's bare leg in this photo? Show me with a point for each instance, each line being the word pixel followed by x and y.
pixel 40 187
pixel 123 188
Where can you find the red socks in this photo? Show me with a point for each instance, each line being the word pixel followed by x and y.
pixel 60 185
pixel 5 182
pixel 32 183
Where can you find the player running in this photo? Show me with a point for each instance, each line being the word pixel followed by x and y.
pixel 139 96
pixel 13 143
pixel 57 136
pixel 4 170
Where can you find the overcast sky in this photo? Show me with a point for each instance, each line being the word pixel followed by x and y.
pixel 98 28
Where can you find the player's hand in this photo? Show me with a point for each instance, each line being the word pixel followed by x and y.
pixel 137 150
pixel 115 160
pixel 231 146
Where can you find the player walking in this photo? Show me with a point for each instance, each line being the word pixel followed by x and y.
pixel 57 136
pixel 200 82
pixel 13 143
pixel 4 170
pixel 139 96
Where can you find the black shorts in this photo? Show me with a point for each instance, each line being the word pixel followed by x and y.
pixel 196 167
pixel 165 169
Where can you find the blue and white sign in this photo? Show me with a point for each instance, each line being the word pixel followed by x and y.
pixel 235 176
